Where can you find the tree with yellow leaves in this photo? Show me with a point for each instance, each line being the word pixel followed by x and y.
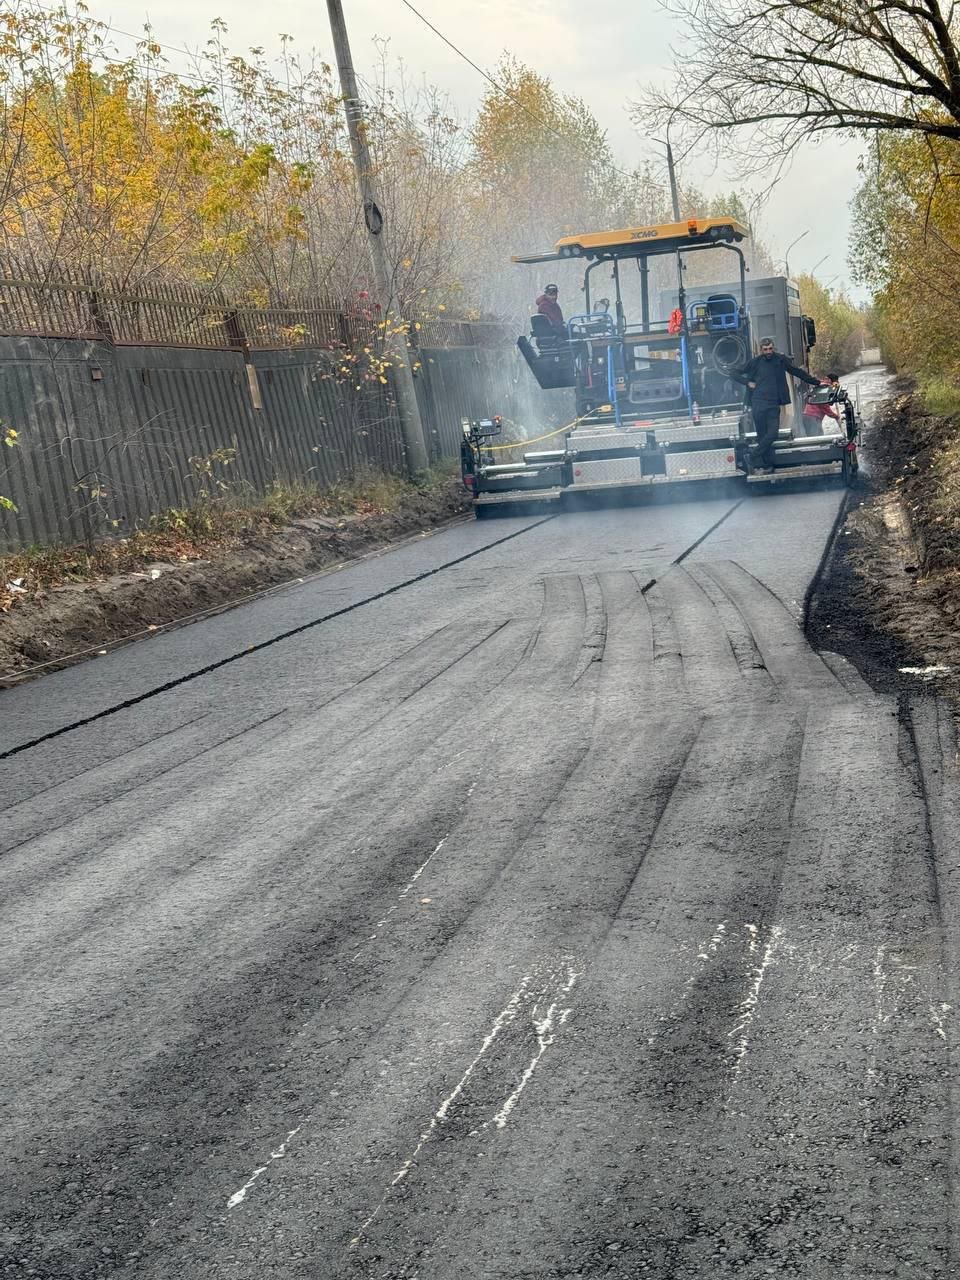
pixel 114 165
pixel 906 249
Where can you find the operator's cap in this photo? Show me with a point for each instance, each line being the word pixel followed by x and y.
pixel 551 288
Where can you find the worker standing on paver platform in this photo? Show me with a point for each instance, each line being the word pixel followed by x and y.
pixel 766 378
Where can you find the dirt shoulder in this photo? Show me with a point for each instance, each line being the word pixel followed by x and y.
pixel 889 598
pixel 63 604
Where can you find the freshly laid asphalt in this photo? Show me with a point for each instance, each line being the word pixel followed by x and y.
pixel 530 901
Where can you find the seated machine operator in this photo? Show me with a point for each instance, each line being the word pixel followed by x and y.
pixel 547 305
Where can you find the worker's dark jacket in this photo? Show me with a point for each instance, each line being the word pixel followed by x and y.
pixel 771 379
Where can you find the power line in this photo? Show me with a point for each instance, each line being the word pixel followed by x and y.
pixel 205 81
pixel 501 88
pixel 145 38
pixel 183 76
pixel 63 11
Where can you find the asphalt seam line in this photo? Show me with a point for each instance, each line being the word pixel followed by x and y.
pixel 263 644
pixel 316 622
pixel 12 679
pixel 647 586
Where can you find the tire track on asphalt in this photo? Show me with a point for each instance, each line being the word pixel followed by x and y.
pixel 787 654
pixel 406 980
pixel 183 1061
pixel 643 801
pixel 705 1001
pixel 598 763
pixel 711 761
pixel 740 636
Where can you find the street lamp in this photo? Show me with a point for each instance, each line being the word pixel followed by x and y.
pixel 786 256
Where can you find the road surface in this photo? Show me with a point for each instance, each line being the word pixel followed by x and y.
pixel 531 901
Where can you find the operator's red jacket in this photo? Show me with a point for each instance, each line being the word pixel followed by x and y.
pixel 550 308
pixel 820 411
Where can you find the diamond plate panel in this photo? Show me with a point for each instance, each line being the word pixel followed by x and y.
pixel 701 465
pixel 593 440
pixel 724 428
pixel 607 471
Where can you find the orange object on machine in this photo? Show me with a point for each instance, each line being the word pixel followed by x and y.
pixel 676 322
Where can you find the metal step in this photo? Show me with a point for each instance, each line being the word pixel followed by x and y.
pixel 798 473
pixel 518 496
pixel 526 479
pixel 545 457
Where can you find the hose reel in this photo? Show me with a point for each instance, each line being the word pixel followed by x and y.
pixel 729 353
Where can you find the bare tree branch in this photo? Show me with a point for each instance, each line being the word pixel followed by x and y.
pixel 760 77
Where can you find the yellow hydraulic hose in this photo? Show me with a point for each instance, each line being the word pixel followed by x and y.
pixel 522 444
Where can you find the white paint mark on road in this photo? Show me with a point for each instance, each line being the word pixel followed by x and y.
pixel 711 949
pixel 926 672
pixel 937 1015
pixel 451 762
pixel 238 1197
pixel 748 1007
pixel 545 1026
pixel 405 891
pixel 546 1029
pixel 503 1019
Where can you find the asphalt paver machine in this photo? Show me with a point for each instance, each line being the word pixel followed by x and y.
pixel 656 402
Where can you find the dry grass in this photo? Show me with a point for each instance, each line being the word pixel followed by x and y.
pixel 941 397
pixel 195 533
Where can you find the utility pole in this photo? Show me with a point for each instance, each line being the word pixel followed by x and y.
pixel 407 407
pixel 675 198
pixel 672 171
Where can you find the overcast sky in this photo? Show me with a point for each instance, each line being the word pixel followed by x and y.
pixel 604 61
